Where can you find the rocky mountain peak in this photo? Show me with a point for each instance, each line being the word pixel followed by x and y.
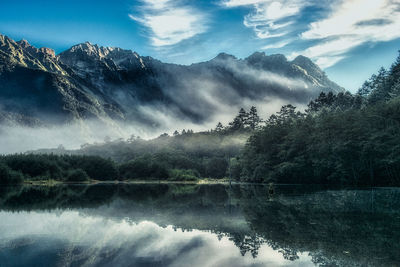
pixel 259 57
pixel 86 55
pixel 85 47
pixel 224 56
pixel 305 62
pixel 95 52
pixel 24 43
pixel 5 41
pixel 48 51
pixel 22 53
pixel 309 66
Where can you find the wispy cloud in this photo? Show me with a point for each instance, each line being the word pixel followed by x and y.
pixel 269 19
pixel 352 23
pixel 277 45
pixel 170 21
pixel 333 33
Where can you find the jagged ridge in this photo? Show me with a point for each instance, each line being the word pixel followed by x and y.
pixel 113 84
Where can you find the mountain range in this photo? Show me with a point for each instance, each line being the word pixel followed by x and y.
pixel 114 85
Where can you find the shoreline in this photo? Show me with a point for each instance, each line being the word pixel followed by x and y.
pixel 94 182
pixel 198 182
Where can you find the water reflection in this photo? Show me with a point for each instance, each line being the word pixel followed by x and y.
pixel 209 225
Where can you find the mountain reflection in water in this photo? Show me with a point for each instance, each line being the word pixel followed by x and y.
pixel 198 225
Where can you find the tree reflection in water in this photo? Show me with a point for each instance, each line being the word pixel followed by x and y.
pixel 358 227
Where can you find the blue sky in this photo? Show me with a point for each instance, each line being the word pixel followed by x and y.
pixel 349 39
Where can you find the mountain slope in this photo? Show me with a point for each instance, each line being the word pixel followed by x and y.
pixel 116 85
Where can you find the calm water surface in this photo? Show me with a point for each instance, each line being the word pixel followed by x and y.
pixel 198 225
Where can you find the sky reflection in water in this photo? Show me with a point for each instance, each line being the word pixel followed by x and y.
pixel 198 225
pixel 73 238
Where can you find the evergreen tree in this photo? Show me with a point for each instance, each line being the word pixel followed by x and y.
pixel 394 71
pixel 239 121
pixel 253 120
pixel 343 101
pixel 287 113
pixel 272 120
pixel 395 90
pixel 322 101
pixel 236 124
pixel 219 127
pixel 380 87
pixel 243 115
pixel 365 89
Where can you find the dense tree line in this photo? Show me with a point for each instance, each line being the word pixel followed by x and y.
pixel 339 139
pixel 19 167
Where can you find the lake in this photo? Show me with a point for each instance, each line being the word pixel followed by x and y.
pixel 198 225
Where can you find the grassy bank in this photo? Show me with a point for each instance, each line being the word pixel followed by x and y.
pixel 52 182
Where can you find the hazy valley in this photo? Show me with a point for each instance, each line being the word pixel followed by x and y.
pixel 89 92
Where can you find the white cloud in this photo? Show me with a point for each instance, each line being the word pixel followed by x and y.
pixel 343 26
pixel 236 3
pixel 351 24
pixel 169 22
pixel 277 45
pixel 268 18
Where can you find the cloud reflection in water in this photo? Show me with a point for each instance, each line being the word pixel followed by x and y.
pixel 73 238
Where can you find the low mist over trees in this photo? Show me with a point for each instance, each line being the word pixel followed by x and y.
pixel 341 139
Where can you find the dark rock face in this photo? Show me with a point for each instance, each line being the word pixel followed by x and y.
pixel 113 84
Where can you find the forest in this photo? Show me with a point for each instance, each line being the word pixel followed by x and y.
pixel 340 139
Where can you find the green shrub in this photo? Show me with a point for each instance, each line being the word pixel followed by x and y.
pixel 35 166
pixel 216 167
pixel 8 176
pixel 49 166
pixel 183 175
pixel 96 167
pixel 77 175
pixel 143 167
